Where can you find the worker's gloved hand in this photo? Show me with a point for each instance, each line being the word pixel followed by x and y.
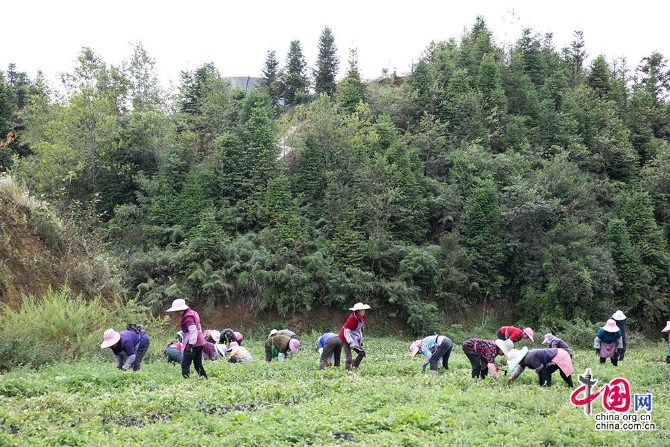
pixel 281 357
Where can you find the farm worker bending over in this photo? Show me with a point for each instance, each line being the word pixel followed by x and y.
pixel 667 354
pixel 283 345
pixel 173 350
pixel 555 342
pixel 238 354
pixel 543 361
pixel 482 355
pixel 351 335
pixel 128 347
pixel 228 336
pixel 620 319
pixel 434 348
pixel 608 341
pixel 514 333
pixel 269 352
pixel 193 343
pixel 329 346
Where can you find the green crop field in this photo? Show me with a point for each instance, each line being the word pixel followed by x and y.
pixel 389 401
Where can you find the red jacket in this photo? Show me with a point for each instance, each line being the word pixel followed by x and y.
pixel 513 333
pixel 352 323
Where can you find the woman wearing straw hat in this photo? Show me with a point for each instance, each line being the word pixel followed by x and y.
pixel 128 347
pixel 283 345
pixel 193 342
pixel 514 333
pixel 555 342
pixel 544 361
pixel 620 319
pixel 270 352
pixel 351 335
pixel 608 342
pixel 667 329
pixel 482 355
pixel 238 354
pixel 434 348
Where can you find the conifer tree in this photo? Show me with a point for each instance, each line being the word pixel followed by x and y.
pixel 294 79
pixel 327 64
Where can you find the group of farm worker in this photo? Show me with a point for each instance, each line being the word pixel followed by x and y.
pixel 482 354
pixel 609 342
pixel 193 345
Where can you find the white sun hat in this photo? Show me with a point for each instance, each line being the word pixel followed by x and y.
pixel 618 315
pixel 177 305
pixel 505 345
pixel 667 327
pixel 514 358
pixel 359 306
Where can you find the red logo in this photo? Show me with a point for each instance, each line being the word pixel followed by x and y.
pixel 615 394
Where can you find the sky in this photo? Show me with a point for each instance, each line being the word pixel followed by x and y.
pixel 236 36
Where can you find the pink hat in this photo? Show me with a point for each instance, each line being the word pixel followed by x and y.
pixel 611 326
pixel 415 347
pixel 238 336
pixel 110 338
pixel 293 345
pixel 232 345
pixel 529 332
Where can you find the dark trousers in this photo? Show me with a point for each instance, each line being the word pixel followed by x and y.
pixel 477 369
pixel 333 346
pixel 545 376
pixel 443 351
pixel 139 355
pixel 614 358
pixel 347 354
pixel 192 355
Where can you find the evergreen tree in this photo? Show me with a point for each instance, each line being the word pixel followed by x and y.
pixel 481 236
pixel 575 57
pixel 294 79
pixel 327 64
pixel 271 82
pixel 351 91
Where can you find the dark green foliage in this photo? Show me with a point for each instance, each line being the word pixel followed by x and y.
pixel 271 78
pixel 488 174
pixel 294 78
pixel 327 64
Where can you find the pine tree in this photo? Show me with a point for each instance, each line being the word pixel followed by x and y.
pixel 294 79
pixel 327 64
pixel 270 79
pixel 351 91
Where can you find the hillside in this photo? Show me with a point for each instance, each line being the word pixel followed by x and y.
pixel 38 252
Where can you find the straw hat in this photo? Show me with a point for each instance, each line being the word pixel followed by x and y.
pixel 529 333
pixel 110 338
pixel 505 345
pixel 415 347
pixel 177 305
pixel 611 326
pixel 293 345
pixel 359 306
pixel 618 315
pixel 514 358
pixel 667 327
pixel 548 338
pixel 216 335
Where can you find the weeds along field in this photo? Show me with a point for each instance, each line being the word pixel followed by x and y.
pixel 388 401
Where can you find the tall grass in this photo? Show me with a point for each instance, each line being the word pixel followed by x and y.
pixel 62 326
